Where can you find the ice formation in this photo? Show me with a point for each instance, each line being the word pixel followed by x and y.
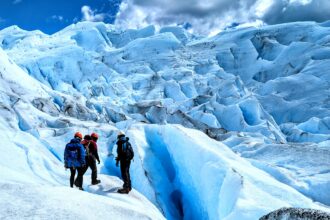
pixel 228 127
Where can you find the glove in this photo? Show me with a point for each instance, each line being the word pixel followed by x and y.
pixel 98 162
pixel 117 163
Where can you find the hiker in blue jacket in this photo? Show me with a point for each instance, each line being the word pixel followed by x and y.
pixel 74 158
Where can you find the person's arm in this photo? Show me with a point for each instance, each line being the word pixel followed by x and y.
pixel 117 158
pixel 66 157
pixel 131 149
pixel 82 155
pixel 96 154
pixel 83 142
pixel 118 150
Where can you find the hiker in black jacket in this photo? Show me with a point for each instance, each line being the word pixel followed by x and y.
pixel 125 154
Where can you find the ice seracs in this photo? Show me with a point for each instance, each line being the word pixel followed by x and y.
pixel 262 92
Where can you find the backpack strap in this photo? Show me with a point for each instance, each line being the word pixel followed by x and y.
pixel 124 147
pixel 87 148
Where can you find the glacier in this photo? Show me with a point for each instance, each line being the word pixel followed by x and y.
pixel 227 127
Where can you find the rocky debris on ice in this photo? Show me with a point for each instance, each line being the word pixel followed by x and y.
pixel 296 214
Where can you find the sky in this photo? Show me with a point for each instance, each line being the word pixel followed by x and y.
pixel 51 16
pixel 204 17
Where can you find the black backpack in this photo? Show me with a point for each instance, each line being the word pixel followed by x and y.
pixel 128 150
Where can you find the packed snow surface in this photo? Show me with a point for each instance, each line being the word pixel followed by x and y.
pixel 228 127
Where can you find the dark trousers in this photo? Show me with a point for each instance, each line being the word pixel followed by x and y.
pixel 124 168
pixel 79 179
pixel 91 163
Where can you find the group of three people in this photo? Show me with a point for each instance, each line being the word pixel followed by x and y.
pixel 79 154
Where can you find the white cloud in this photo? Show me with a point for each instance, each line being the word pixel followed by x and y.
pixel 297 10
pixel 90 15
pixel 213 15
pixel 262 6
pixel 17 1
pixel 204 16
pixel 58 17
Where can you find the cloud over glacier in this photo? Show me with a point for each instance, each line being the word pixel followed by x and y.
pixel 90 15
pixel 294 10
pixel 211 16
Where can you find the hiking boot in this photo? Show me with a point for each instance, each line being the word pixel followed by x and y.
pixel 96 182
pixel 82 189
pixel 123 191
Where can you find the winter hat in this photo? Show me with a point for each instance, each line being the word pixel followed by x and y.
pixel 78 135
pixel 121 134
pixel 94 135
pixel 87 137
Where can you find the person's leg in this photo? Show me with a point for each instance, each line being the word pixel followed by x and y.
pixel 73 173
pixel 125 176
pixel 124 173
pixel 80 176
pixel 83 171
pixel 129 183
pixel 94 170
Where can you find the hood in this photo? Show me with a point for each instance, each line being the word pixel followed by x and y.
pixel 123 139
pixel 75 140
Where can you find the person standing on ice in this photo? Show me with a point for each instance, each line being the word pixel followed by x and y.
pixel 92 155
pixel 74 159
pixel 125 154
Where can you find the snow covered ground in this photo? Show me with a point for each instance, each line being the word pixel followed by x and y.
pixel 34 183
pixel 252 104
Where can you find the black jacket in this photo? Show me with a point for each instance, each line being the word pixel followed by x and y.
pixel 121 155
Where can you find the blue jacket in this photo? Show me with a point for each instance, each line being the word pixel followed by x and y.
pixel 74 154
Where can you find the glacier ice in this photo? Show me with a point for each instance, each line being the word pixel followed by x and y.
pixel 261 93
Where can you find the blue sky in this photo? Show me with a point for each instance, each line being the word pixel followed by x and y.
pixel 205 17
pixel 50 16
